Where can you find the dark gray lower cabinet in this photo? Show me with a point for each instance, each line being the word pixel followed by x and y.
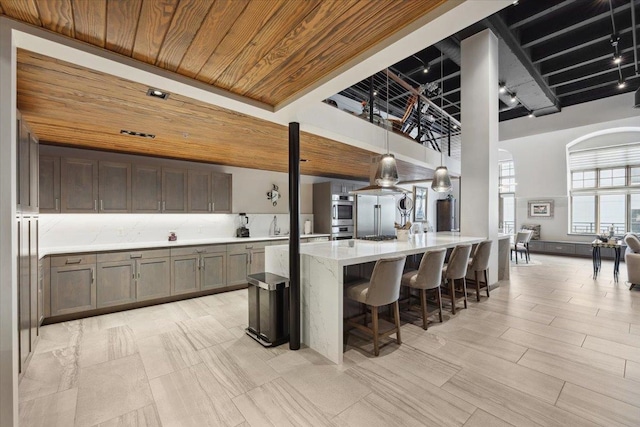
pixel 73 284
pixel 237 267
pixel 116 283
pixel 213 268
pixel 153 278
pixel 184 274
pixel 256 261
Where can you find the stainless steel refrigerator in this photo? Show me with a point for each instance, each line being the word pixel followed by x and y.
pixel 375 215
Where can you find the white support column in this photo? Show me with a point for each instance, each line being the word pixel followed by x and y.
pixel 8 233
pixel 479 168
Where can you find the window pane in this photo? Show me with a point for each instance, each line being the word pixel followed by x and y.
pixel 583 214
pixel 578 175
pixel 635 213
pixel 635 175
pixel 508 214
pixel 618 181
pixel 605 173
pixel 612 211
pixel 577 184
pixel 590 175
pixel 589 183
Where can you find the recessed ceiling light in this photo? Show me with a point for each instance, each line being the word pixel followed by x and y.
pixel 514 99
pixel 425 70
pixel 455 126
pixel 515 2
pixel 375 93
pixel 304 160
pixel 140 134
pixel 157 93
pixel 503 88
pixel 531 115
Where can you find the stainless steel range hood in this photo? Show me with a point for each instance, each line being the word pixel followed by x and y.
pixel 374 188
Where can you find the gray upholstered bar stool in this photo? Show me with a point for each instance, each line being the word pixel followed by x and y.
pixel 427 278
pixel 456 270
pixel 480 263
pixel 382 289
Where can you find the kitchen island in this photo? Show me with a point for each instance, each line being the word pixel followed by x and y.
pixel 322 279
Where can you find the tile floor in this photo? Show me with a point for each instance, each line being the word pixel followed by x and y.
pixel 550 347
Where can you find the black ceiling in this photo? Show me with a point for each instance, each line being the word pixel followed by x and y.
pixel 565 45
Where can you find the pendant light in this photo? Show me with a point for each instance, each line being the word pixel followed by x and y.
pixel 387 168
pixel 441 181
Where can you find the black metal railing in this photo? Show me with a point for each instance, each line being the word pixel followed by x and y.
pixel 398 103
pixel 590 228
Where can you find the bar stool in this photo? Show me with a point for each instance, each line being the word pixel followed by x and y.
pixel 382 289
pixel 456 269
pixel 480 263
pixel 427 278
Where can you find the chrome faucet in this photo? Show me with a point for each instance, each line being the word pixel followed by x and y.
pixel 276 230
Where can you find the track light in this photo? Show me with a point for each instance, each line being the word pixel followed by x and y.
pixel 515 2
pixel 621 84
pixel 617 59
pixel 514 99
pixel 425 70
pixel 531 114
pixel 502 88
pixel 375 93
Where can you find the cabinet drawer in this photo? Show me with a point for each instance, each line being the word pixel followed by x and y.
pixel 194 250
pixel 560 248
pixel 585 250
pixel 536 246
pixel 77 259
pixel 132 255
pixel 241 247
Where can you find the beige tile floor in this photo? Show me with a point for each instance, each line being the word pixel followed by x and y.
pixel 550 347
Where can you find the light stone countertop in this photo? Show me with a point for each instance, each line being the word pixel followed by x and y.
pixel 349 252
pixel 160 244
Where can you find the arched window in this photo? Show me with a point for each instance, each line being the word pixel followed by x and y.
pixel 604 182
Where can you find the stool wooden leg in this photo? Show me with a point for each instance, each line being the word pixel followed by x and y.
pixel 423 304
pixel 477 286
pixel 439 297
pixel 396 313
pixel 452 291
pixel 486 282
pixel 364 307
pixel 374 321
pixel 464 291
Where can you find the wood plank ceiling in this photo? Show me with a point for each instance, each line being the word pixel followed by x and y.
pixel 266 50
pixel 70 105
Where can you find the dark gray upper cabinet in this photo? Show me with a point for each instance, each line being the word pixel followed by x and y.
pixel 221 192
pixel 24 169
pixel 174 190
pixel 49 184
pixel 147 188
pixel 114 187
pixel 199 198
pixel 79 185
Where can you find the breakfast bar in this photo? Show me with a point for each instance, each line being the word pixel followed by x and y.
pixel 322 279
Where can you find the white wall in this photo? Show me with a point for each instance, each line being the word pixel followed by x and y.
pixel 540 159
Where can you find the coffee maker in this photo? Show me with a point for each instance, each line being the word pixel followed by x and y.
pixel 243 230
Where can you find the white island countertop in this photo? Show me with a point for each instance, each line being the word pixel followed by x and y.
pixel 160 244
pixel 349 252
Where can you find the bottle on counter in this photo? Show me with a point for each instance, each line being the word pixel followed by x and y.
pixel 172 236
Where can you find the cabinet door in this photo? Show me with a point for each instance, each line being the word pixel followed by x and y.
pixel 114 187
pixel 33 278
pixel 24 171
pixel 213 269
pixel 199 192
pixel 256 261
pixel 147 188
pixel 185 274
pixel 24 297
pixel 237 264
pixel 73 289
pixel 116 283
pixel 221 192
pixel 79 185
pixel 34 190
pixel 174 190
pixel 153 278
pixel 49 184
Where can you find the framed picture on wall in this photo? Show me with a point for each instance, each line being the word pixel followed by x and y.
pixel 420 204
pixel 541 208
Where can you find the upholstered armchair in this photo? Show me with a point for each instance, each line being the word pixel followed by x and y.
pixel 632 259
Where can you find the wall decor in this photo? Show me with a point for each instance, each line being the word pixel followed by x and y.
pixel 273 195
pixel 420 204
pixel 540 209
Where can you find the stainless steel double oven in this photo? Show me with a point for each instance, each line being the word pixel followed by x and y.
pixel 342 216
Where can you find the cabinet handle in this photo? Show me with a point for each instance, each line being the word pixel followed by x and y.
pixel 73 261
pixel 136 256
pixel 95 205
pixel 57 205
pixel 138 274
pixel 101 206
pixel 335 208
pixel 92 276
pixel 209 206
pixel 213 206
pixel 164 206
pixel 158 205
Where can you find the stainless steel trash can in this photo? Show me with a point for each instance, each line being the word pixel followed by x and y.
pixel 268 309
